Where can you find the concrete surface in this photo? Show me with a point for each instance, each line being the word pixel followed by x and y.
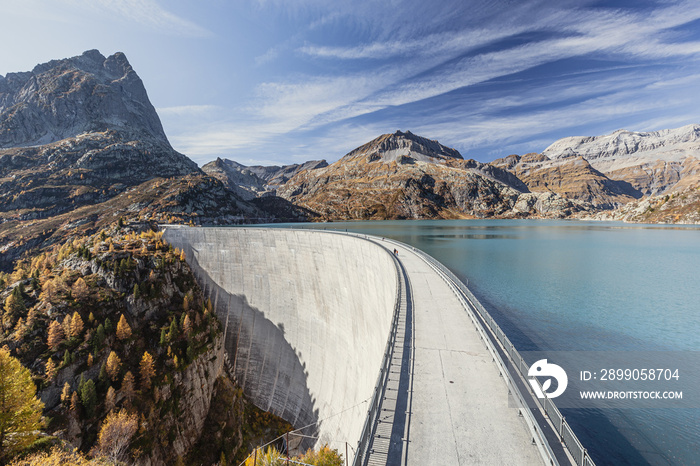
pixel 459 402
pixel 307 317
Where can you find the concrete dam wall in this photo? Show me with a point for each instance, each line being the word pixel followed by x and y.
pixel 306 316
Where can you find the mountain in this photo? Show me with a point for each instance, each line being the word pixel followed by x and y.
pixel 78 131
pixel 81 146
pixel 651 162
pixel 572 178
pixel 64 98
pixel 257 180
pixel 402 175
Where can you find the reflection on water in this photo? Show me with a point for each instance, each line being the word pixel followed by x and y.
pixel 586 286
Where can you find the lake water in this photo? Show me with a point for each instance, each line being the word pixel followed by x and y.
pixel 581 286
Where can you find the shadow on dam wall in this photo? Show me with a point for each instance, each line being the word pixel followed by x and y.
pixel 307 316
pixel 264 364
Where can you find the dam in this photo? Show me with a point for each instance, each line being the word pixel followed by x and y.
pixel 364 344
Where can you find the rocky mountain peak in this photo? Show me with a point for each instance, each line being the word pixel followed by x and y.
pixel 623 143
pixel 404 147
pixel 64 98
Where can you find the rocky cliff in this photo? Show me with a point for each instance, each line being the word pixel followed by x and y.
pixel 78 131
pixel 651 162
pixel 64 98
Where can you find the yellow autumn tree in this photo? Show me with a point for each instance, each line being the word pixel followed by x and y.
pixel 114 365
pixel 56 335
pixel 20 410
pixel 80 290
pixel 50 370
pixel 123 328
pixel 115 435
pixel 76 325
pixel 146 370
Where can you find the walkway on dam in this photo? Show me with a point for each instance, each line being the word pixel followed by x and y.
pixel 456 402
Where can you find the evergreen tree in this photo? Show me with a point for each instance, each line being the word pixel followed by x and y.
pixel 88 397
pixel 99 337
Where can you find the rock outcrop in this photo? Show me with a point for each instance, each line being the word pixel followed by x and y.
pixel 652 162
pixel 64 98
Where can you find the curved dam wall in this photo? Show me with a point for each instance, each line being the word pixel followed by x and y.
pixel 306 314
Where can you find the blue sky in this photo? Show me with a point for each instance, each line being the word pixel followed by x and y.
pixel 284 81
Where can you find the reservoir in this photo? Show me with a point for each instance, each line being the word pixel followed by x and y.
pixel 581 286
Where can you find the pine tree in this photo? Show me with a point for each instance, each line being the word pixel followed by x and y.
pixel 172 332
pixel 137 291
pixel 163 336
pixel 90 360
pixel 56 335
pixel 76 325
pixel 108 326
pixel 114 365
pixel 66 358
pixel 20 410
pixel 88 397
pixel 123 329
pixel 146 370
pixel 99 337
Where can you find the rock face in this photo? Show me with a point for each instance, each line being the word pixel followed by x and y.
pixel 572 178
pixel 64 98
pixel 652 163
pixel 78 131
pixel 402 175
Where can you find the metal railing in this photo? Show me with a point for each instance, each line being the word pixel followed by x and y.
pixel 373 409
pixel 566 434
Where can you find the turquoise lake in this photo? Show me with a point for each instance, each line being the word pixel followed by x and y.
pixel 581 286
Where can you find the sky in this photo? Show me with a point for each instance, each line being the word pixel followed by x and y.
pixel 272 82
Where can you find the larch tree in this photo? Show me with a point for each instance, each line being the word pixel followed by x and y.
pixel 80 290
pixel 123 328
pixel 66 394
pixel 128 389
pixel 20 410
pixel 110 399
pixel 114 365
pixel 50 370
pixel 56 335
pixel 76 325
pixel 146 370
pixel 187 325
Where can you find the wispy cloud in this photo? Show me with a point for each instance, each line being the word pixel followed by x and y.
pixel 147 13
